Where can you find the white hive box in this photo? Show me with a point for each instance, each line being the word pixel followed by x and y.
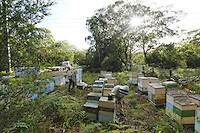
pixel 59 81
pixel 133 74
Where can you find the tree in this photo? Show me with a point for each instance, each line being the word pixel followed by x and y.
pixel 112 32
pixel 18 20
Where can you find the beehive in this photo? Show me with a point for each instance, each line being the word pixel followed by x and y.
pixel 195 99
pixel 184 111
pixel 107 89
pixel 103 72
pixel 103 79
pixel 93 97
pixel 91 110
pixel 156 94
pixel 171 97
pixel 48 86
pixel 133 77
pixel 197 120
pixel 143 83
pixel 98 86
pixel 170 86
pixel 111 80
pixel 107 110
pixel 59 81
pixel 140 75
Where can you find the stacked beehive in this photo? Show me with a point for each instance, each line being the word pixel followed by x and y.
pixel 107 110
pixel 197 120
pixel 59 81
pixel 48 86
pixel 179 108
pixel 143 83
pixel 170 86
pixel 107 89
pixel 111 80
pixel 102 74
pixel 133 77
pixel 157 94
pixel 98 86
pixel 91 110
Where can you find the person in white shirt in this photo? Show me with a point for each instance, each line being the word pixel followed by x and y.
pixel 120 92
pixel 70 78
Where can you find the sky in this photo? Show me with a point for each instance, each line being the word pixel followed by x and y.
pixel 68 19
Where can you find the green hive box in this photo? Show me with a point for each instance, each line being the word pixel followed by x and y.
pixel 184 113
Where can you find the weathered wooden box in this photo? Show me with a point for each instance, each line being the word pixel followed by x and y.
pixel 107 110
pixel 111 80
pixel 140 75
pixel 153 80
pixel 59 81
pixel 133 74
pixel 103 72
pixel 195 99
pixel 107 89
pixel 171 97
pixel 94 97
pixel 48 86
pixel 157 88
pixel 143 83
pixel 133 80
pixel 170 86
pixel 91 110
pixel 185 111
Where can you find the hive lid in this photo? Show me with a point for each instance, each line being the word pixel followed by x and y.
pixel 91 104
pixel 184 102
pixel 94 94
pixel 105 99
pixel 169 83
pixel 196 97
pixel 156 85
pixel 109 85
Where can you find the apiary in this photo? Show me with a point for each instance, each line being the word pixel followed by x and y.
pixel 107 89
pixel 111 80
pixel 156 94
pixel 107 110
pixel 91 110
pixel 195 99
pixel 170 86
pixel 184 111
pixel 59 81
pixel 197 120
pixel 48 86
pixel 94 97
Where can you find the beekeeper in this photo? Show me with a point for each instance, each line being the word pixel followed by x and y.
pixel 70 75
pixel 120 92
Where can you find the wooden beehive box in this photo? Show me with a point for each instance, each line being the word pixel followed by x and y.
pixel 170 86
pixel 103 79
pixel 48 86
pixel 107 110
pixel 59 81
pixel 111 80
pixel 98 86
pixel 171 97
pixel 195 99
pixel 157 88
pixel 133 75
pixel 107 89
pixel 143 83
pixel 94 97
pixel 91 110
pixel 197 120
pixel 103 72
pixel 185 111
pixel 153 80
pixel 156 94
